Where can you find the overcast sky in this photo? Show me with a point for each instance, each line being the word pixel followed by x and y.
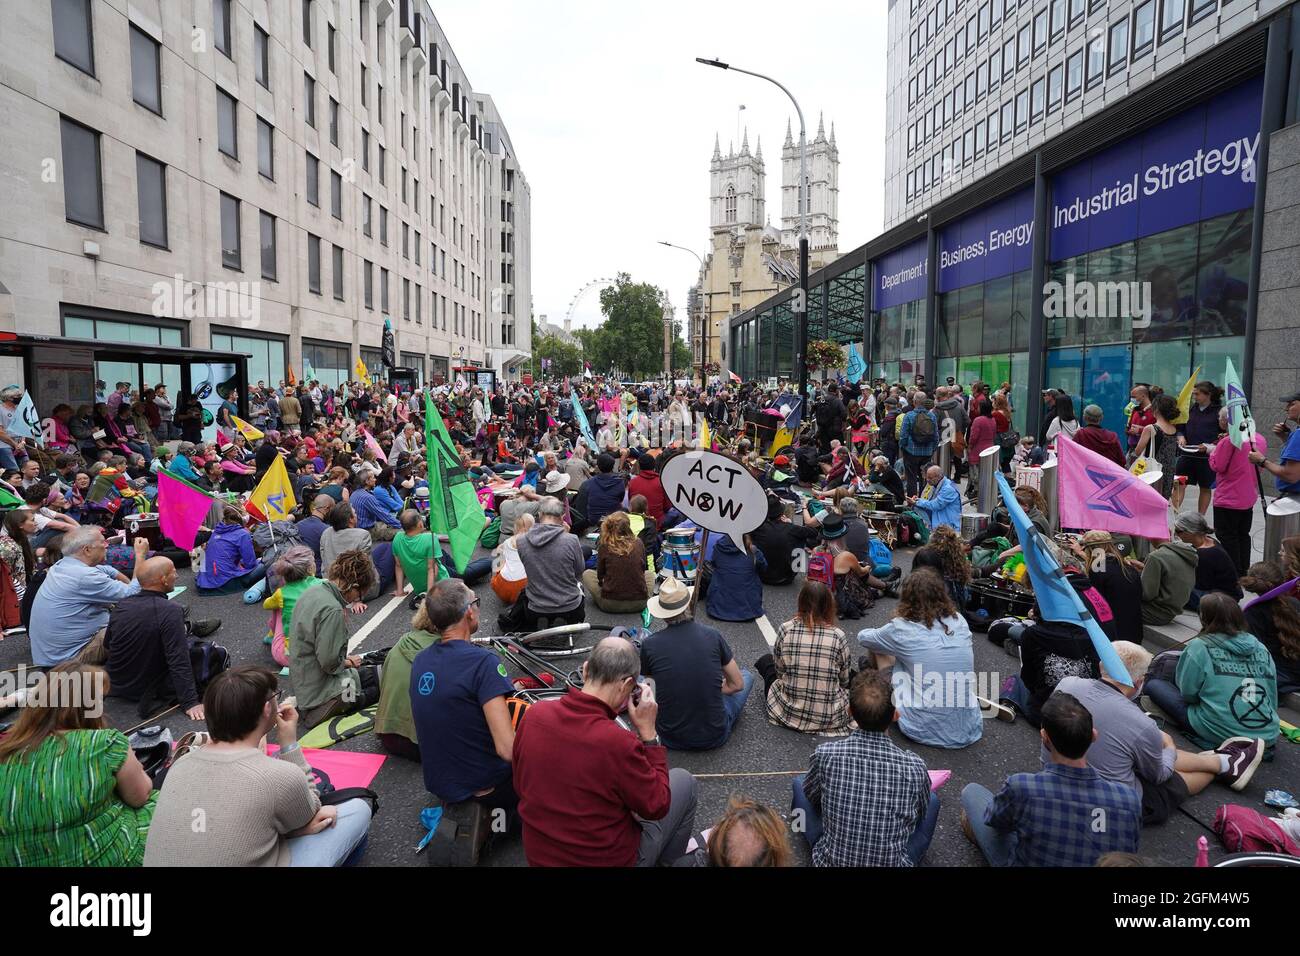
pixel 613 121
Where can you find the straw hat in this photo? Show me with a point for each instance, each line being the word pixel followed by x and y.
pixel 673 598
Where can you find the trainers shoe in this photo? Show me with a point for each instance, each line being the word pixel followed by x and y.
pixel 989 709
pixel 1244 755
pixel 206 627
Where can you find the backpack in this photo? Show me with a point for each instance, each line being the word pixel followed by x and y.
pixel 923 426
pixel 491 535
pixel 1242 829
pixel 821 568
pixel 208 660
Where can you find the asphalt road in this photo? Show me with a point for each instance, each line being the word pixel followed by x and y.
pixel 759 760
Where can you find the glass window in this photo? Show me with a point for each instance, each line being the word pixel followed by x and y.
pixel 1022 111
pixel 1073 75
pixel 146 71
pixel 1055 88
pixel 383 290
pixel 267 225
pixel 337 270
pixel 365 150
pixel 83 195
pixel 1202 9
pixel 984 20
pixel 1144 26
pixel 306 22
pixel 981 139
pixel 221 27
pixel 995 69
pixel 1058 18
pixel 1107 372
pixel 1223 275
pixel 365 215
pixel 1009 58
pixel 1167 364
pixel 1172 15
pixel 1167 262
pixel 1118 46
pixel 151 189
pixel 230 245
pixel 998 304
pixel 1068 328
pixel 1096 60
pixel 1112 272
pixel 309 99
pixel 313 263
pixel 383 233
pixel 266 362
pixel 334 121
pixel 265 149
pixel 1076 9
pixel 336 195
pixel 332 34
pixel 1037 96
pixel 968 147
pixel 368 281
pixel 992 124
pixel 1008 119
pixel 227 127
pixel 313 180
pixel 262 56
pixel 1023 46
pixel 73 36
pixel 1040 32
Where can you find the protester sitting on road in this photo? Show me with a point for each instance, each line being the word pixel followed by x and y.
pixel 735 588
pixel 1132 750
pixel 463 728
pixel 514 507
pixel 647 482
pixel 75 794
pixel 620 583
pixel 807 674
pixel 1275 622
pixel 1050 818
pixel 864 800
pixel 604 491
pixel 229 563
pixel 148 645
pixel 330 682
pixel 257 810
pixel 883 476
pixel 344 535
pixel 372 514
pixel 313 527
pixel 928 645
pixel 1116 580
pixel 509 577
pixel 553 559
pixel 748 835
pixel 394 725
pixel 1049 651
pixel 417 554
pixel 779 540
pixel 296 570
pixel 957 573
pixel 852 578
pixel 1168 576
pixel 1225 685
pixel 699 686
pixel 939 501
pixel 71 610
pixel 590 793
pixel 1215 570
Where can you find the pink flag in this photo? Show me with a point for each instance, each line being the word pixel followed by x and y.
pixel 181 510
pixel 1096 493
pixel 374 446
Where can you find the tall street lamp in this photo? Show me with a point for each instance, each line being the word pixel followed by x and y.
pixel 801 300
pixel 704 319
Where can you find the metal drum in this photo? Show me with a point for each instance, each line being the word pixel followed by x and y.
pixel 682 562
pixel 1000 600
pixel 878 501
pixel 883 524
pixel 144 525
pixel 972 524
pixel 679 538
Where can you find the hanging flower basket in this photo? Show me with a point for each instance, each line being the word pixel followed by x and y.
pixel 825 354
pixel 712 368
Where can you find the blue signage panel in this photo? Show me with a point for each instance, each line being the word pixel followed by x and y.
pixel 901 275
pixel 988 244
pixel 1196 166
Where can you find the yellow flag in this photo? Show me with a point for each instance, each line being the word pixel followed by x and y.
pixel 363 373
pixel 1185 398
pixel 273 496
pixel 247 430
pixel 706 440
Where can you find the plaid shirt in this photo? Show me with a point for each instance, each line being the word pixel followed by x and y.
pixel 1066 816
pixel 810 692
pixel 871 795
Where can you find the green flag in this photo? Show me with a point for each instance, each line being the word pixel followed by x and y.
pixel 454 508
pixel 308 373
pixel 1241 427
pixel 8 499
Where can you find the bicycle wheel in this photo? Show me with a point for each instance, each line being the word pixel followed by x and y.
pixel 567 640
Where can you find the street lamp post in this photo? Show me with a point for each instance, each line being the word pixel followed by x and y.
pixel 705 319
pixel 801 300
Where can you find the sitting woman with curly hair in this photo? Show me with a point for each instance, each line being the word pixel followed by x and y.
pixel 956 568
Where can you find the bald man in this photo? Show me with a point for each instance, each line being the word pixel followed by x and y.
pixel 313 526
pixel 148 645
pixel 939 501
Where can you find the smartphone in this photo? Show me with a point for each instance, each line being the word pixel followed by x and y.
pixel 637 690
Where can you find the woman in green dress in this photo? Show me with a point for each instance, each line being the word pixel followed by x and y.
pixel 72 793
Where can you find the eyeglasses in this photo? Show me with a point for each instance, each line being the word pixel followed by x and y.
pixel 473 603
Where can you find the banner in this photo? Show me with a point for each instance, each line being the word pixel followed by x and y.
pixel 389 347
pixel 1097 494
pixel 273 497
pixel 1056 599
pixel 247 430
pixel 1241 425
pixel 856 367
pixel 454 508
pixel 182 509
pixel 27 423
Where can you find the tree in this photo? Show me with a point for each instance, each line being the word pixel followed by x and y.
pixel 632 336
pixel 565 359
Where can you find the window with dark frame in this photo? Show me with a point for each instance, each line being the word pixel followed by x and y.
pixel 262 56
pixel 1096 61
pixel 265 149
pixel 151 197
pixel 313 263
pixel 1173 14
pixel 267 227
pixel 231 253
pixel 313 180
pixel 227 124
pixel 336 195
pixel 146 70
pixel 74 38
pixel 1118 43
pixel 336 269
pixel 309 99
pixel 1073 75
pixel 1144 29
pixel 222 27
pixel 1055 88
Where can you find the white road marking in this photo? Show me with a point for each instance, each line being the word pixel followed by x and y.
pixel 365 630
pixel 765 628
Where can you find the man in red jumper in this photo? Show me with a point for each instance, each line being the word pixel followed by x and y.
pixel 590 792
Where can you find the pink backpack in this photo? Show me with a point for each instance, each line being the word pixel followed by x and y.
pixel 1243 830
pixel 821 568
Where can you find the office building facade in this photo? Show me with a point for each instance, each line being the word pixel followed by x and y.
pixel 272 178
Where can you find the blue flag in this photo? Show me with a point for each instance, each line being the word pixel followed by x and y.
pixel 795 415
pixel 581 417
pixel 857 367
pixel 1057 600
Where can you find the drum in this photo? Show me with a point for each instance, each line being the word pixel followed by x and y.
pixel 877 501
pixel 682 562
pixel 972 524
pixel 883 524
pixel 144 525
pixel 1000 600
pixel 679 538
